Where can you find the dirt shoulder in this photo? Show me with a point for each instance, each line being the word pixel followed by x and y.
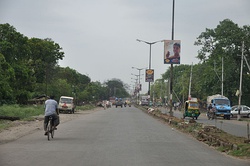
pixel 22 128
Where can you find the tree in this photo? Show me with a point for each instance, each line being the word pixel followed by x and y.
pixel 6 76
pixel 224 41
pixel 116 88
pixel 13 44
pixel 77 81
pixel 29 68
pixel 94 92
pixel 32 61
pixel 73 77
pixel 14 48
pixel 44 56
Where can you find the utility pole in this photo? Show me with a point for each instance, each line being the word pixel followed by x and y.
pixel 222 76
pixel 139 69
pixel 241 70
pixel 190 82
pixel 171 69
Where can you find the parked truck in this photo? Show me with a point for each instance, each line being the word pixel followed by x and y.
pixel 221 104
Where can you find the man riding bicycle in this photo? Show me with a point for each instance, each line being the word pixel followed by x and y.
pixel 51 109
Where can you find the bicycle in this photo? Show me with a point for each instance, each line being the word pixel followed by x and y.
pixel 50 128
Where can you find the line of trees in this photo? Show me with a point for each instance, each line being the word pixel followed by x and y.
pixel 223 41
pixel 29 68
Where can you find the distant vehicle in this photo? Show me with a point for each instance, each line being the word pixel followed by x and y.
pixel 191 109
pixel 244 111
pixel 118 102
pixel 144 101
pixel 66 104
pixel 221 104
pixel 112 100
pixel 127 102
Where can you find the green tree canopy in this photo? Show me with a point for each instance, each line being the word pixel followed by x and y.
pixel 31 62
pixel 116 88
pixel 222 44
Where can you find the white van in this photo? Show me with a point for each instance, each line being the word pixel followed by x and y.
pixel 66 104
pixel 144 100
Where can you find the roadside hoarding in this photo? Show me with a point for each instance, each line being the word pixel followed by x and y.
pixel 149 75
pixel 172 50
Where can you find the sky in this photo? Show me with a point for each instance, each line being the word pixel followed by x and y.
pixel 98 37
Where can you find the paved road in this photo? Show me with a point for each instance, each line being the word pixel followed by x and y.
pixel 233 126
pixel 113 137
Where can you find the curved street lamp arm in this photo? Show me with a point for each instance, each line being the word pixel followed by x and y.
pixel 149 42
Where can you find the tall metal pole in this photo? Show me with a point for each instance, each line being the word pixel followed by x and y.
pixel 222 77
pixel 171 69
pixel 136 88
pixel 190 82
pixel 149 69
pixel 173 21
pixel 139 84
pixel 139 69
pixel 182 91
pixel 149 66
pixel 241 70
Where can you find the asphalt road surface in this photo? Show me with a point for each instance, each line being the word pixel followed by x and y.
pixel 113 137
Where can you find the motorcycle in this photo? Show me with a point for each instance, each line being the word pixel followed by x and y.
pixel 211 114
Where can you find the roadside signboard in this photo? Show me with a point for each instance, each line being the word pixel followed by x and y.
pixel 149 75
pixel 172 51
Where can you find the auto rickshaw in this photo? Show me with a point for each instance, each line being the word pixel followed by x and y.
pixel 191 109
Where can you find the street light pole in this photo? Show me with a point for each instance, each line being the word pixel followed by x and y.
pixel 240 90
pixel 139 69
pixel 171 69
pixel 137 89
pixel 149 66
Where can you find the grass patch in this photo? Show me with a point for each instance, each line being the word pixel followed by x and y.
pixel 85 107
pixel 4 124
pixel 23 112
pixel 242 151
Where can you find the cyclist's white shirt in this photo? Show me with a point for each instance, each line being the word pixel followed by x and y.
pixel 50 107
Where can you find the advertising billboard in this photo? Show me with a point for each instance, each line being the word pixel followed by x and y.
pixel 172 51
pixel 149 75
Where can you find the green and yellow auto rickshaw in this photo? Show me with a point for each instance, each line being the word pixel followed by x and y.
pixel 191 109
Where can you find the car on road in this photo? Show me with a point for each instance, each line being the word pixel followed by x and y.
pixel 244 111
pixel 66 104
pixel 118 102
pixel 144 100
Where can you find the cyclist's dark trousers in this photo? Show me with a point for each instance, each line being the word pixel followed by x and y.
pixel 55 120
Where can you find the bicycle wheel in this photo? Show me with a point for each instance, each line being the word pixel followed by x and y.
pixel 48 130
pixel 52 131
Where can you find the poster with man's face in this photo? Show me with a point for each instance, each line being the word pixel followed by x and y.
pixel 172 51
